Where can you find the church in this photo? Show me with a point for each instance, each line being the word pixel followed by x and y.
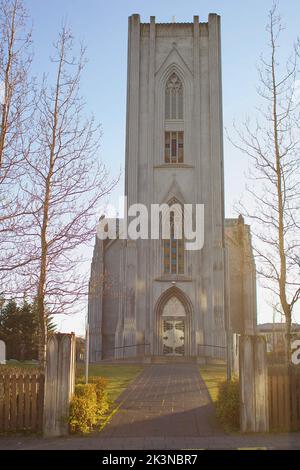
pixel 153 299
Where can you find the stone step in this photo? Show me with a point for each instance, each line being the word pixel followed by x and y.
pixel 156 360
pixel 172 359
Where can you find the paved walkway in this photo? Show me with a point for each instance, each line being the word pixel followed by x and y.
pixel 166 400
pixel 166 407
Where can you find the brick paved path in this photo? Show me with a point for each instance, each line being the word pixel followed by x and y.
pixel 164 400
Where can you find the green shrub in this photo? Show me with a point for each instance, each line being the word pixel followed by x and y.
pixel 88 405
pixel 101 392
pixel 228 405
pixel 83 408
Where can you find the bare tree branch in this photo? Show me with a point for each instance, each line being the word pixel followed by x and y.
pixel 273 146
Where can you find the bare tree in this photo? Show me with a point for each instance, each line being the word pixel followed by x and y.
pixel 65 184
pixel 273 145
pixel 16 108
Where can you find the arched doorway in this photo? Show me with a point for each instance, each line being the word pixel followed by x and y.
pixel 173 324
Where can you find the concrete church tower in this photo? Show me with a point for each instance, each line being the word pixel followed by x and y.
pixel 152 297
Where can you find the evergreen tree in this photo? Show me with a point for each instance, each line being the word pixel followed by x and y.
pixel 19 328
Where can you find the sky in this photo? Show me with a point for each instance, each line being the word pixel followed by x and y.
pixel 102 27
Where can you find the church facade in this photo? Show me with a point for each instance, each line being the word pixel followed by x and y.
pixel 150 298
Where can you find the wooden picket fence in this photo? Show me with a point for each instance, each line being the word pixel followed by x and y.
pixel 21 402
pixel 284 399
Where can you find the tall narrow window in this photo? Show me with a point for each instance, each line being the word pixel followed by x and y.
pixel 174 98
pixel 174 112
pixel 174 147
pixel 173 251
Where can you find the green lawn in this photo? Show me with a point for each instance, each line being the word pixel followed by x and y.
pixel 118 375
pixel 212 375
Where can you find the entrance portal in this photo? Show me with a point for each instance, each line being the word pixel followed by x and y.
pixel 173 325
pixel 173 328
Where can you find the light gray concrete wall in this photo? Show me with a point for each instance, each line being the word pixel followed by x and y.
pixel 95 307
pixel 111 297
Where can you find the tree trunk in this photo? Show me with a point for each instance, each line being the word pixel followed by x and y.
pixel 44 245
pixel 280 195
pixel 7 86
pixel 42 323
pixel 288 335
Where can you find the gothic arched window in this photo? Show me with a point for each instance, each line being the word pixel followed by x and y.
pixel 173 248
pixel 174 98
pixel 174 112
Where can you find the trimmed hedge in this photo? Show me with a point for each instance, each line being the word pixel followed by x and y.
pixel 228 405
pixel 88 405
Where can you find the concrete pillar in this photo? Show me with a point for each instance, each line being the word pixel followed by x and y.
pixel 132 131
pixel 2 352
pixel 261 384
pixel 59 384
pixel 131 180
pixel 150 318
pixel 254 411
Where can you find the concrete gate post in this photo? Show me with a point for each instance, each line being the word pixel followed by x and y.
pixel 59 383
pixel 253 374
